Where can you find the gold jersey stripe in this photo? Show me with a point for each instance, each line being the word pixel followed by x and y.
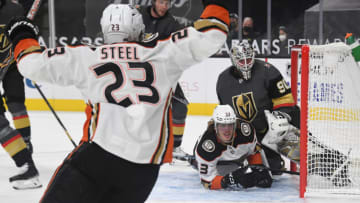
pixel 286 99
pixel 29 50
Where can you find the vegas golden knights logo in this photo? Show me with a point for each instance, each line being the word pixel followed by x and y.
pixel 245 107
pixel 4 41
pixel 5 51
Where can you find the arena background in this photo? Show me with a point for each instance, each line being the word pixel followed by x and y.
pixel 78 21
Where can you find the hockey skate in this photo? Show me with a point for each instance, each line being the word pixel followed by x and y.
pixel 28 178
pixel 178 152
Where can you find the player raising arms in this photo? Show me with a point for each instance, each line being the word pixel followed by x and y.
pixel 128 84
pixel 229 139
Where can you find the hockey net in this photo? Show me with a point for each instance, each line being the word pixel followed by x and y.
pixel 325 82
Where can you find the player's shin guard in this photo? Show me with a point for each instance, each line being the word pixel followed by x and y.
pixel 21 122
pixel 13 143
pixel 179 111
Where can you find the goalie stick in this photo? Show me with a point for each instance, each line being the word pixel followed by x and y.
pixel 190 158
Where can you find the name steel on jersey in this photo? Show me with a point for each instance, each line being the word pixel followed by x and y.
pixel 119 52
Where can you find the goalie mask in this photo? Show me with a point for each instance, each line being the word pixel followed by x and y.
pixel 121 22
pixel 224 122
pixel 243 56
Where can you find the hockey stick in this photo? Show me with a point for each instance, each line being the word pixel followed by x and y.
pixel 31 15
pixel 338 170
pixel 56 116
pixel 189 158
pixel 33 9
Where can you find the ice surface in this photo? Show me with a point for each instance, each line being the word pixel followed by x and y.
pixel 177 183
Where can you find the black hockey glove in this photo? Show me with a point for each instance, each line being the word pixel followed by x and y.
pixel 237 178
pixel 261 176
pixel 223 3
pixel 21 28
pixel 258 176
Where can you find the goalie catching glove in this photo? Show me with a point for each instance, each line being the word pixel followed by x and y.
pixel 248 177
pixel 20 28
pixel 279 126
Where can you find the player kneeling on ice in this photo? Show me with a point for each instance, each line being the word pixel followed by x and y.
pixel 229 139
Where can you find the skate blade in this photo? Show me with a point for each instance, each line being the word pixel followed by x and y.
pixel 32 183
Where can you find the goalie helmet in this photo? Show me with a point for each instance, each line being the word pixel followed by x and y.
pixel 121 22
pixel 224 117
pixel 243 56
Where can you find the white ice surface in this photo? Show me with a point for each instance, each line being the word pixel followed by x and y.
pixel 177 183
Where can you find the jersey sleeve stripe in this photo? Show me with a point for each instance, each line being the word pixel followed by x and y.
pixel 25 47
pixel 204 25
pixel 218 12
pixel 286 100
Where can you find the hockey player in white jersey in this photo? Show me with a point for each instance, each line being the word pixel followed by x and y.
pixel 128 85
pixel 227 140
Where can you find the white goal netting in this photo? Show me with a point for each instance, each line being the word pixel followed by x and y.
pixel 333 149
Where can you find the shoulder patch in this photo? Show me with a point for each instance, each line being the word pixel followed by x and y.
pixel 245 129
pixel 150 36
pixel 208 146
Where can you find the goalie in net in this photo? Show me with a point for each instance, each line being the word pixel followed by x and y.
pixel 259 94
